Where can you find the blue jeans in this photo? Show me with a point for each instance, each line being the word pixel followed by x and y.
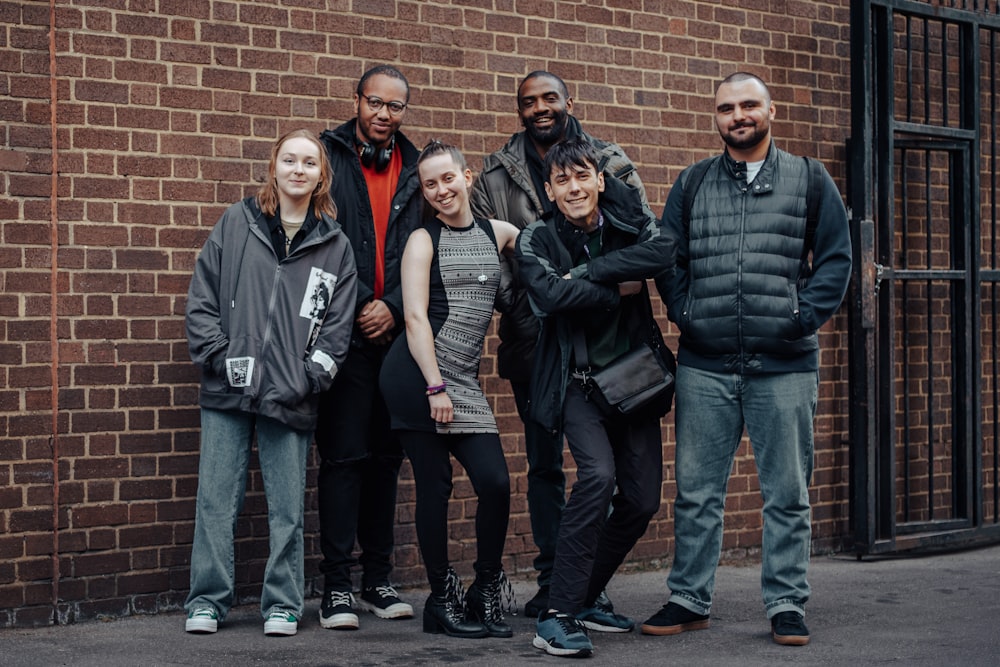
pixel 226 441
pixel 711 411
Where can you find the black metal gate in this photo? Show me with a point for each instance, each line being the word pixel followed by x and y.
pixel 925 300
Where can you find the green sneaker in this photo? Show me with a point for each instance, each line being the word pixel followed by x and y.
pixel 203 620
pixel 281 622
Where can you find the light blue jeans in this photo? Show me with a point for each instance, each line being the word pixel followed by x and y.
pixel 226 441
pixel 711 411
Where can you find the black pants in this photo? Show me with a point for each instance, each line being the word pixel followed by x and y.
pixel 482 457
pixel 358 473
pixel 546 483
pixel 609 451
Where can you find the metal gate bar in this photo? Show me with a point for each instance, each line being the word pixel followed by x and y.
pixel 925 350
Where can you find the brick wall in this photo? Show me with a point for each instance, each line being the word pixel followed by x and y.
pixel 165 114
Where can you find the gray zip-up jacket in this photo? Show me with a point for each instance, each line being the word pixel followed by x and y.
pixel 270 335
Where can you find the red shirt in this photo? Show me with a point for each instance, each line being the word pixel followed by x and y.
pixel 381 188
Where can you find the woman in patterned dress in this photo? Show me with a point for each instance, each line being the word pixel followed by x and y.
pixel 450 277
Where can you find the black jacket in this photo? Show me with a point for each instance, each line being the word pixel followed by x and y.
pixel 505 191
pixel 350 193
pixel 739 295
pixel 634 248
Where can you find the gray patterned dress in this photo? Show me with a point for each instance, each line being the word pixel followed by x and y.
pixel 464 277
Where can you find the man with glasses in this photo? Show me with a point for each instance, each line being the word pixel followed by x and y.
pixel 377 192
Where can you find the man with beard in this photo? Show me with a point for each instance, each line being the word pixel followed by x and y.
pixel 377 192
pixel 748 302
pixel 512 188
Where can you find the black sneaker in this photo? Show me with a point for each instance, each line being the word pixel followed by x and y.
pixel 337 611
pixel 674 619
pixel 537 604
pixel 384 602
pixel 788 628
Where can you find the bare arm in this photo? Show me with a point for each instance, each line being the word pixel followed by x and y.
pixel 506 234
pixel 415 278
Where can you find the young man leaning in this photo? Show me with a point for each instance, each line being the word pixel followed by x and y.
pixel 585 270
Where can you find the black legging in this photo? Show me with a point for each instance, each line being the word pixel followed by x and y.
pixel 482 457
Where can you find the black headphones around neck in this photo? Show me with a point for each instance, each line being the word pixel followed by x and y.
pixel 379 157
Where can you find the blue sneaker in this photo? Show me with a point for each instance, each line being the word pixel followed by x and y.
pixel 603 602
pixel 601 620
pixel 561 634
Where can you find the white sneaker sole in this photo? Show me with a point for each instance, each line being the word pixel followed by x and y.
pixel 280 628
pixel 398 610
pixel 204 626
pixel 339 621
pixel 597 627
pixel 540 643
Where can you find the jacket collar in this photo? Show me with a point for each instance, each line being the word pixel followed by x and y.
pixel 345 134
pixel 737 170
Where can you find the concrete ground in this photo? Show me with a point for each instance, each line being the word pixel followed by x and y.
pixel 930 610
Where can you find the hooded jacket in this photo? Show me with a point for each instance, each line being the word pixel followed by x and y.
pixel 270 334
pixel 742 297
pixel 505 191
pixel 350 193
pixel 634 248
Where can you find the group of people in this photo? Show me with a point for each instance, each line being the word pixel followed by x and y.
pixel 348 303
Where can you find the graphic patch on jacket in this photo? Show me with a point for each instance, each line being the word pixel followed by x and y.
pixel 239 370
pixel 316 301
pixel 319 291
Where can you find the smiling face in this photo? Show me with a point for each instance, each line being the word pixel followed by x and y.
pixel 446 188
pixel 297 170
pixel 377 127
pixel 544 108
pixel 743 115
pixel 575 189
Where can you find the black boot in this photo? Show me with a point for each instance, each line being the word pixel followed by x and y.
pixel 444 612
pixel 484 603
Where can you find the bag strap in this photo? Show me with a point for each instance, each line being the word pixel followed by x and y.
pixel 814 192
pixel 695 177
pixel 580 351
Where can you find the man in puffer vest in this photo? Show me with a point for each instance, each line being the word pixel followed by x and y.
pixel 751 287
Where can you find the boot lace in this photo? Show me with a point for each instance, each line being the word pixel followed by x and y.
pixel 454 593
pixel 496 595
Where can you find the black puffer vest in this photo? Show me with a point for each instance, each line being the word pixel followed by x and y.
pixel 745 252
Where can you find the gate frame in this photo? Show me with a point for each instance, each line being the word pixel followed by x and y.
pixel 870 199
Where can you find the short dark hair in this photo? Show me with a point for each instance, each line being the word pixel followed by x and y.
pixel 538 73
pixel 736 77
pixel 387 70
pixel 576 152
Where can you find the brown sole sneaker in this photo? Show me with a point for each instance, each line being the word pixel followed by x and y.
pixel 790 640
pixel 664 630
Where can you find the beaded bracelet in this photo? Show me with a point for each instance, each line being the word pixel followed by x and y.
pixel 436 389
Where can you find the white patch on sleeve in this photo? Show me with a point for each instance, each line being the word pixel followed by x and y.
pixel 240 371
pixel 325 360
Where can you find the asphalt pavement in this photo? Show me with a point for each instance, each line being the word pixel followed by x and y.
pixel 942 609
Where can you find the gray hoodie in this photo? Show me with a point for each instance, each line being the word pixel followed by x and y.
pixel 270 335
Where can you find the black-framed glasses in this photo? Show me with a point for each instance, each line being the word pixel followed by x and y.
pixel 376 104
